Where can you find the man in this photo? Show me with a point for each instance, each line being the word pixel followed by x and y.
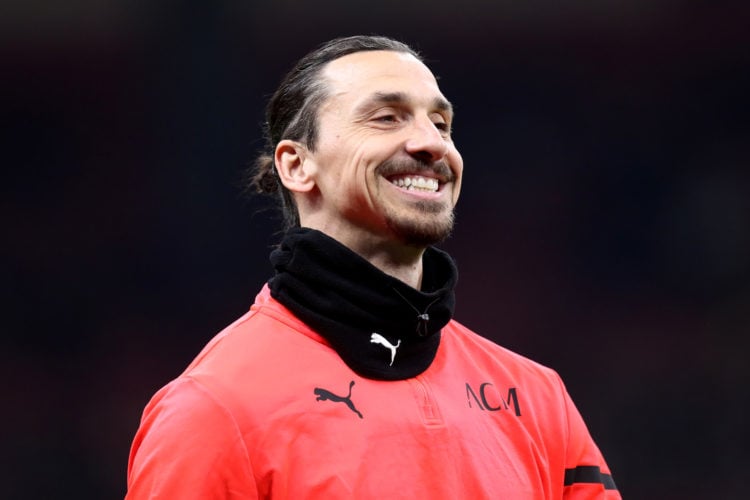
pixel 348 378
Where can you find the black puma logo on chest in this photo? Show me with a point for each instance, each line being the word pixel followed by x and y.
pixel 326 395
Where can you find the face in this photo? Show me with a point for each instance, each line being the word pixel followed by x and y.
pixel 385 165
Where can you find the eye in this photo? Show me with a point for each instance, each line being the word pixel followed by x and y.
pixel 391 118
pixel 387 116
pixel 441 123
pixel 442 126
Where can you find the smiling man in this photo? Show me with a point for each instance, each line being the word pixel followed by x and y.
pixel 348 377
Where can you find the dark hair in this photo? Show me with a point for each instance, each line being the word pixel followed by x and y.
pixel 292 111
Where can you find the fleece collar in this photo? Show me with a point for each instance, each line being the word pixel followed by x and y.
pixel 381 327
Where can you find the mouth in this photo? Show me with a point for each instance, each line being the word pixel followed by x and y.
pixel 417 177
pixel 416 183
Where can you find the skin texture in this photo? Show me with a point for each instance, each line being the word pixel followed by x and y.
pixel 385 118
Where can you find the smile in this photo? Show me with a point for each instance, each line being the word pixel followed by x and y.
pixel 416 183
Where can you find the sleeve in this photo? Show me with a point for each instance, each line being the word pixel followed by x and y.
pixel 188 446
pixel 587 475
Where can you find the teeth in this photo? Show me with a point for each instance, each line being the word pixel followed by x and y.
pixel 417 183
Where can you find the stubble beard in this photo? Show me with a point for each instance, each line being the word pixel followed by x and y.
pixel 426 222
pixel 429 223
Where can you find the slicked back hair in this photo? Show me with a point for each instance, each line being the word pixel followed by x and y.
pixel 292 111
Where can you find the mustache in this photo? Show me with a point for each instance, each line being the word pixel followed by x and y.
pixel 400 166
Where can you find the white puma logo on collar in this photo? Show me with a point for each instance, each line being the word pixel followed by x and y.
pixel 376 338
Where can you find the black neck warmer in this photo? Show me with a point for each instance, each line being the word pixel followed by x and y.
pixel 381 327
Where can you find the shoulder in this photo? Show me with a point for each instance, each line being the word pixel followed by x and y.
pixel 251 366
pixel 482 361
pixel 256 341
pixel 184 432
pixel 469 343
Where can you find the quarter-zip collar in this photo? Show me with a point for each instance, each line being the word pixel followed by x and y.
pixel 381 327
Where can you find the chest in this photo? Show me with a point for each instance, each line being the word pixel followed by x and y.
pixel 341 436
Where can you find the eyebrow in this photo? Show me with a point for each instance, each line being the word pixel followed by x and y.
pixel 439 103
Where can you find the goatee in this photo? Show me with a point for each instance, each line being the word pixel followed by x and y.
pixel 429 229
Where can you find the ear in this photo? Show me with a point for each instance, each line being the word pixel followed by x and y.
pixel 293 166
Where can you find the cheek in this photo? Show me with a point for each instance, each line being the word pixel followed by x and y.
pixel 354 183
pixel 458 166
pixel 352 168
pixel 456 191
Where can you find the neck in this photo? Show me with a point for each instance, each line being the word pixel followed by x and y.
pixel 345 299
pixel 395 259
pixel 403 263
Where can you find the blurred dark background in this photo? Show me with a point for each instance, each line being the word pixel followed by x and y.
pixel 603 230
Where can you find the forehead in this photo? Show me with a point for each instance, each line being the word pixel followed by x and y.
pixel 358 76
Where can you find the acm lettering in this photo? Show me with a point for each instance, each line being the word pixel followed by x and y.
pixel 484 404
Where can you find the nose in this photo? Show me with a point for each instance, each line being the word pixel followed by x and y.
pixel 426 142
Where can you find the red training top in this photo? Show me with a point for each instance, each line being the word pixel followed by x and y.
pixel 268 410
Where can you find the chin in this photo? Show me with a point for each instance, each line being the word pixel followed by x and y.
pixel 422 233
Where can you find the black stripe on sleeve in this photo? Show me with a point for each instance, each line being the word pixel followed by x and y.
pixel 589 474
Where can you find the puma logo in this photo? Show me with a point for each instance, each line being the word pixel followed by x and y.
pixel 376 338
pixel 325 395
